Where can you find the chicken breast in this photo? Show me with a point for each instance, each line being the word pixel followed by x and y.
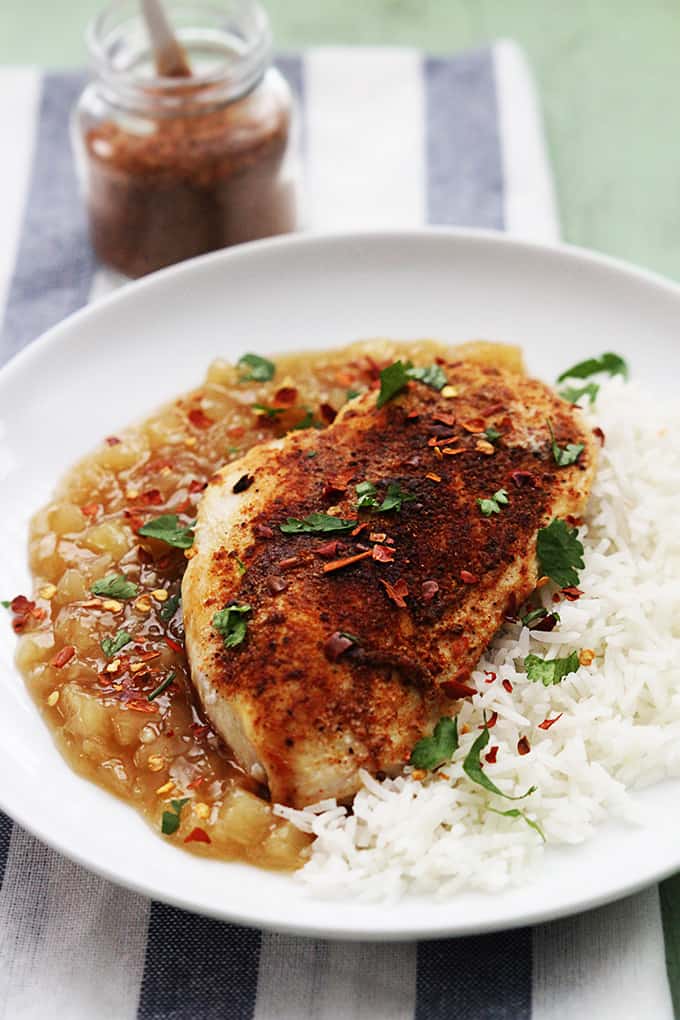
pixel 343 647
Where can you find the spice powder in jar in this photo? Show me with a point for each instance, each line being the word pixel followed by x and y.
pixel 175 167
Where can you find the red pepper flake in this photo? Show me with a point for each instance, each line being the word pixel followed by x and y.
pixel 452 451
pixel 135 520
pixel 473 425
pixel 21 605
pixel 346 561
pixel 327 413
pixel 195 783
pixel 491 755
pixel 600 435
pixel 285 396
pixel 195 485
pixel 62 657
pixel 494 409
pixel 383 554
pixel 438 441
pixel 174 645
pixel 112 441
pixel 359 528
pixel 336 645
pixel 429 589
pixel 521 478
pixel 197 835
pixel 276 584
pixel 468 578
pixel 490 677
pixel 523 746
pixel 575 522
pixel 547 723
pixel 556 597
pixel 491 722
pixel 572 593
pixel 328 550
pixel 508 686
pixel 146 656
pixel 152 497
pixel 289 562
pixel 262 531
pixel 412 415
pixel 334 487
pixel 397 591
pixel 199 418
pixel 91 509
pixel 142 706
pixel 433 477
pixel 445 419
pixel 457 689
pixel 199 730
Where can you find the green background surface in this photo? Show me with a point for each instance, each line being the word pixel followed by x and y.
pixel 608 73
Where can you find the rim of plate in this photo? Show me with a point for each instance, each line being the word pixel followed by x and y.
pixel 257 917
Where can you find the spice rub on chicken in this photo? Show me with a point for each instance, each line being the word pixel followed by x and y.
pixel 344 583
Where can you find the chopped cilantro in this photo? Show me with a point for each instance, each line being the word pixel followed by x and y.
pixel 564 456
pixel 393 379
pixel 314 523
pixel 612 364
pixel 574 393
pixel 269 412
pixel 550 671
pixel 115 586
pixel 473 769
pixel 163 686
pixel 538 614
pixel 241 565
pixel 492 434
pixel 311 454
pixel 231 625
pixel 493 505
pixel 169 608
pixel 112 645
pixel 394 497
pixel 432 375
pixel 170 820
pixel 560 554
pixel 256 368
pixel 430 752
pixel 5 603
pixel 351 394
pixel 167 528
pixel 308 422
pixel 516 813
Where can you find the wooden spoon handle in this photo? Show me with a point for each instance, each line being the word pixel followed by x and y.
pixel 171 60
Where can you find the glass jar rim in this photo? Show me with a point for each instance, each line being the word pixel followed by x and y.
pixel 225 82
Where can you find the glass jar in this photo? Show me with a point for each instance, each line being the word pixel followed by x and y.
pixel 174 167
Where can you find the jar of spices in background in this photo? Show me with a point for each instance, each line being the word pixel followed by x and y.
pixel 176 166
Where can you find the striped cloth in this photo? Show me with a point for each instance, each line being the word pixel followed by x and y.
pixel 389 138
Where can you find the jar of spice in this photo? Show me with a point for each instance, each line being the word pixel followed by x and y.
pixel 176 166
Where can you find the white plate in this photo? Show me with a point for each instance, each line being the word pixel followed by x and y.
pixel 112 363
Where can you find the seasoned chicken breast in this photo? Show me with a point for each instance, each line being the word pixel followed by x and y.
pixel 326 643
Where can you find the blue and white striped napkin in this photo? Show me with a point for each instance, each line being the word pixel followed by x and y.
pixel 390 139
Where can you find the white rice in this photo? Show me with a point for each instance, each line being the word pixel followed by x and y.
pixel 620 727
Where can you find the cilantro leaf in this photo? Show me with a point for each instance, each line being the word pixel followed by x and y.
pixel 112 645
pixel 394 497
pixel 493 505
pixel 612 364
pixel 393 380
pixel 308 422
pixel 256 368
pixel 169 608
pixel 430 752
pixel 492 434
pixel 115 586
pixel 163 686
pixel 351 394
pixel 574 393
pixel 231 625
pixel 171 819
pixel 516 813
pixel 269 412
pixel 313 523
pixel 167 528
pixel 473 769
pixel 560 554
pixel 550 671
pixel 564 456
pixel 538 614
pixel 432 375
pixel 5 603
